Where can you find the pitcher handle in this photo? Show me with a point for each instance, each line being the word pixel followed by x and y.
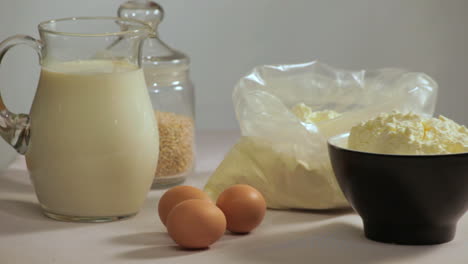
pixel 14 128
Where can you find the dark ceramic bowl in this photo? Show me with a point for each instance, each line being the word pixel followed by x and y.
pixel 403 199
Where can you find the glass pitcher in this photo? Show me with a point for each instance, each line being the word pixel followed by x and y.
pixel 91 137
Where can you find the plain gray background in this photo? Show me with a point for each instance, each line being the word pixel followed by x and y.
pixel 225 39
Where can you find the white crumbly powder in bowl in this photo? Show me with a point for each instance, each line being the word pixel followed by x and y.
pixel 410 134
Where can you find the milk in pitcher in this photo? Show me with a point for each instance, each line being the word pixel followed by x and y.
pixel 98 113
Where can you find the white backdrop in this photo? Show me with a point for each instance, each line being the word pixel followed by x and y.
pixel 226 38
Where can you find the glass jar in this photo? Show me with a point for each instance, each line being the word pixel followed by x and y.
pixel 172 94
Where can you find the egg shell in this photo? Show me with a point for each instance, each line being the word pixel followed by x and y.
pixel 196 224
pixel 176 195
pixel 243 206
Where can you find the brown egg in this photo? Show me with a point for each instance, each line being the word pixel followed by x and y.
pixel 176 195
pixel 196 224
pixel 243 206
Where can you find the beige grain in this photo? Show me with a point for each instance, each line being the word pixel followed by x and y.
pixel 176 144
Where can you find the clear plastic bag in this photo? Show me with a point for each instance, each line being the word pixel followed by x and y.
pixel 286 159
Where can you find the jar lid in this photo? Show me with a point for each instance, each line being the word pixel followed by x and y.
pixel 155 51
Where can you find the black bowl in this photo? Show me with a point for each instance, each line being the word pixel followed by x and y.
pixel 403 199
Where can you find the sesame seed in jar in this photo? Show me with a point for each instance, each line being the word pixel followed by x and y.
pixel 176 144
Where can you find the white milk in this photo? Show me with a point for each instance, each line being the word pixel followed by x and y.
pixel 94 139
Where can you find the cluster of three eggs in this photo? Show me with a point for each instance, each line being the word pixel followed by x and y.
pixel 194 221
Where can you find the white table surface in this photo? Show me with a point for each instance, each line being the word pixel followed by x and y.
pixel 26 236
